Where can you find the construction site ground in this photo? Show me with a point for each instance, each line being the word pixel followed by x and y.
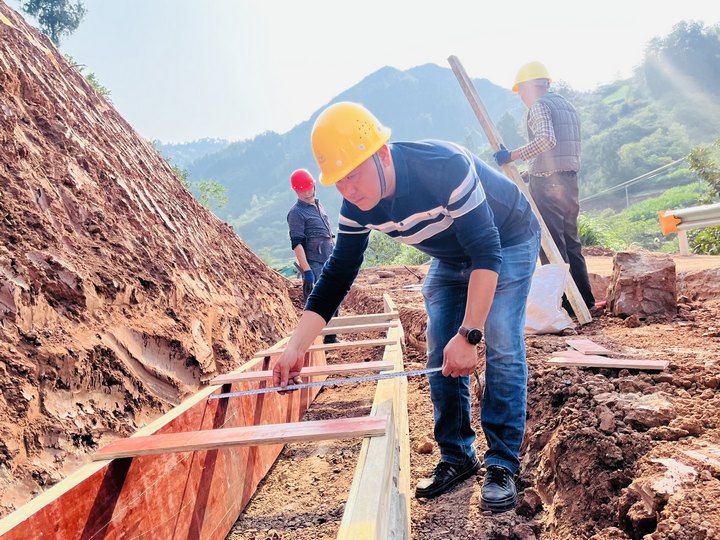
pixel 582 448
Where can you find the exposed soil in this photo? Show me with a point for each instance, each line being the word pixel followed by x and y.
pixel 120 295
pixel 609 454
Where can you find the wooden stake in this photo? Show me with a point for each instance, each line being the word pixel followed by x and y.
pixel 213 439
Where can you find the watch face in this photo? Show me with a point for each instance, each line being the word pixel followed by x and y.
pixel 474 336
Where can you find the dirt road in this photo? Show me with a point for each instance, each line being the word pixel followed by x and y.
pixel 604 265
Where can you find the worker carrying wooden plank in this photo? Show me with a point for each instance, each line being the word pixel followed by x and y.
pixel 484 239
pixel 553 156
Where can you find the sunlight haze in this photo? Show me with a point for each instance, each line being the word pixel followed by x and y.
pixel 180 70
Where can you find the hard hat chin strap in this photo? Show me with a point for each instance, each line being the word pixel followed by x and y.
pixel 381 175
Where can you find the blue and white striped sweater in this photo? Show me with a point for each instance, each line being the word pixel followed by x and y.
pixel 447 203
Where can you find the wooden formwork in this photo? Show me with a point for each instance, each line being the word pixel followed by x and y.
pixel 379 502
pixel 200 493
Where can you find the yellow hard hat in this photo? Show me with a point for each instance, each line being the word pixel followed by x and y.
pixel 529 72
pixel 344 135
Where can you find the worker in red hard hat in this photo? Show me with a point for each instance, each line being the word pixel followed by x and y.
pixel 311 237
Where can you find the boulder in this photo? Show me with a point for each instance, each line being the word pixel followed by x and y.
pixel 642 284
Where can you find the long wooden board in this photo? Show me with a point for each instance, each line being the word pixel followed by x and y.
pixel 214 439
pixel 587 346
pixel 359 328
pixel 378 506
pixel 363 319
pixel 311 371
pixel 182 495
pixel 364 343
pixel 587 360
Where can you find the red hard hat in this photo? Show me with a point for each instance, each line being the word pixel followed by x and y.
pixel 302 180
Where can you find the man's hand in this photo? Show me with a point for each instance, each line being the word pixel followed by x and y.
pixel 502 156
pixel 308 282
pixel 286 369
pixel 460 358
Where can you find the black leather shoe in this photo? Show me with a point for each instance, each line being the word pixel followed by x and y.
pixel 499 493
pixel 332 338
pixel 444 477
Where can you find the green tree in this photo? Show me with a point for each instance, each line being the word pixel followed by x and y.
pixel 92 79
pixel 510 131
pixel 209 193
pixel 705 162
pixel 687 57
pixel 56 17
pixel 384 251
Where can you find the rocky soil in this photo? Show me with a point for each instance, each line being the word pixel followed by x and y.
pixel 609 454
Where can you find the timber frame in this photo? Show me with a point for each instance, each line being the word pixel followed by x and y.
pixel 200 493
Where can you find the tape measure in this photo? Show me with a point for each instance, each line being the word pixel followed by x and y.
pixel 378 377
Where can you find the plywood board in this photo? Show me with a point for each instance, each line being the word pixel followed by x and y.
pixel 182 495
pixel 311 371
pixel 586 360
pixel 587 346
pixel 214 439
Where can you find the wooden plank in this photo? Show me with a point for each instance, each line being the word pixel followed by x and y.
pixel 363 319
pixel 311 371
pixel 361 344
pixel 587 346
pixel 548 244
pixel 359 328
pixel 184 495
pixel 586 360
pixel 378 506
pixel 215 439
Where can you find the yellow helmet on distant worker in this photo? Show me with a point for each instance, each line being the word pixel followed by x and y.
pixel 344 135
pixel 529 72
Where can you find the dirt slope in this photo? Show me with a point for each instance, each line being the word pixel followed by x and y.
pixel 119 293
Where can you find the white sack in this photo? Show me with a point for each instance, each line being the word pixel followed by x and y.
pixel 545 314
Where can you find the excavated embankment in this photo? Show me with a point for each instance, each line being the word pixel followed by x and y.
pixel 119 293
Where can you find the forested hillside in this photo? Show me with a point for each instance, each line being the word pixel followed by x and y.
pixel 630 127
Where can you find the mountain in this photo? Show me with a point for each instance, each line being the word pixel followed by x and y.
pixel 183 154
pixel 422 102
pixel 629 127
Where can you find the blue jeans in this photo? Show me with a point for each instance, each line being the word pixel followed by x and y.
pixel 505 397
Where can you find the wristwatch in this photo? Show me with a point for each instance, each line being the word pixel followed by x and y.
pixel 473 335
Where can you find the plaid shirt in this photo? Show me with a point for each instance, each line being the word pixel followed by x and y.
pixel 540 124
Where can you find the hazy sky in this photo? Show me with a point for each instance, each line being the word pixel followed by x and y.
pixel 180 70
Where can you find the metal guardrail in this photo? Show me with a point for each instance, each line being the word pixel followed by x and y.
pixel 680 220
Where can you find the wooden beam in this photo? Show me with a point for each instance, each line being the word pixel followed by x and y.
pixel 548 244
pixel 587 346
pixel 310 371
pixel 378 506
pixel 365 343
pixel 585 360
pixel 362 319
pixel 359 328
pixel 267 434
